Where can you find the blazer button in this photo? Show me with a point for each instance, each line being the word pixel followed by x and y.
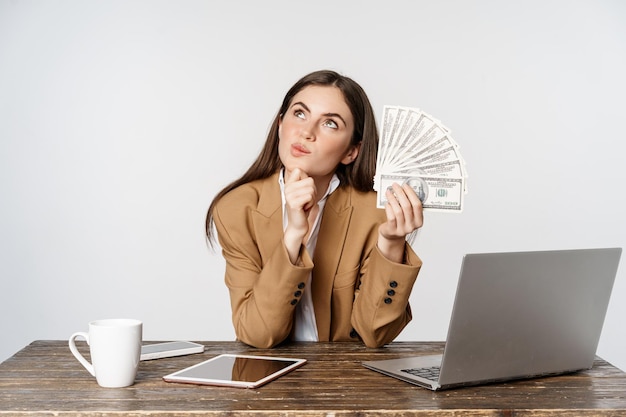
pixel 388 300
pixel 393 284
pixel 297 293
pixel 294 302
pixel 391 292
pixel 301 285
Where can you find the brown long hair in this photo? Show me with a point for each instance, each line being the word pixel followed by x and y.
pixel 359 174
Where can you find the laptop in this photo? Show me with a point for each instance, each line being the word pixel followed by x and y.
pixel 518 315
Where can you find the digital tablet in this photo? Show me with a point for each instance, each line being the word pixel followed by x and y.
pixel 234 370
pixel 169 349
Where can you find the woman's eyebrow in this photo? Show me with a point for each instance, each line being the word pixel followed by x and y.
pixel 305 107
pixel 301 104
pixel 337 115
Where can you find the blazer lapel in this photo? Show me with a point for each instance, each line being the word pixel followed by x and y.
pixel 331 239
pixel 268 218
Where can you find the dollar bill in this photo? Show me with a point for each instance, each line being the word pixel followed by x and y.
pixel 445 169
pixel 431 135
pixel 389 116
pixel 443 194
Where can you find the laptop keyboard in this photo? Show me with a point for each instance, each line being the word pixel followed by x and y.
pixel 431 373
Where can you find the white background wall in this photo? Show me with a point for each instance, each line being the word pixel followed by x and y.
pixel 119 121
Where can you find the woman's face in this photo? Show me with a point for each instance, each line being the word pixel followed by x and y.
pixel 315 132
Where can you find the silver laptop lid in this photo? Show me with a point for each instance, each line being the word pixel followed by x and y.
pixel 527 313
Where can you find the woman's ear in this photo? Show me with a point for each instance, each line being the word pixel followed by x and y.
pixel 279 124
pixel 353 152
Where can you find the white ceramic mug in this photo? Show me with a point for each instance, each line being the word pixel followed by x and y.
pixel 115 348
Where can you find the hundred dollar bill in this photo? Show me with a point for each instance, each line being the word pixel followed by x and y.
pixel 398 131
pixel 415 136
pixel 389 118
pixel 453 169
pixel 451 153
pixel 445 169
pixel 444 194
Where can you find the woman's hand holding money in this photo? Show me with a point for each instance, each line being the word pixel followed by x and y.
pixel 404 215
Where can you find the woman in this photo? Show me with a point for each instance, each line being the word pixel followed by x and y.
pixel 308 255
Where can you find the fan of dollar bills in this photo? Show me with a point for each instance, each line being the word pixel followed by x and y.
pixel 418 150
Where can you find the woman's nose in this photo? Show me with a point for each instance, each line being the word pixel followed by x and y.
pixel 308 131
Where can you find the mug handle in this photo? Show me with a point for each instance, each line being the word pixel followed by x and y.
pixel 77 354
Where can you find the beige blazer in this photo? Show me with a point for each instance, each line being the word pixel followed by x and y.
pixel 357 293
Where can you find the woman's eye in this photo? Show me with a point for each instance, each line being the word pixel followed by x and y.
pixel 299 114
pixel 331 124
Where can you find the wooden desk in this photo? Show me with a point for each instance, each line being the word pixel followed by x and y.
pixel 45 379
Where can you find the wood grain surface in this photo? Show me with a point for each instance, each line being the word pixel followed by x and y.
pixel 45 379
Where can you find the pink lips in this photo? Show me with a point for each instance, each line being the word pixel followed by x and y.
pixel 299 150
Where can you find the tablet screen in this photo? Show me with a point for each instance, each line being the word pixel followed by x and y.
pixel 236 370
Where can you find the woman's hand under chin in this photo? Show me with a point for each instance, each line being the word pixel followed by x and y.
pixel 300 197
